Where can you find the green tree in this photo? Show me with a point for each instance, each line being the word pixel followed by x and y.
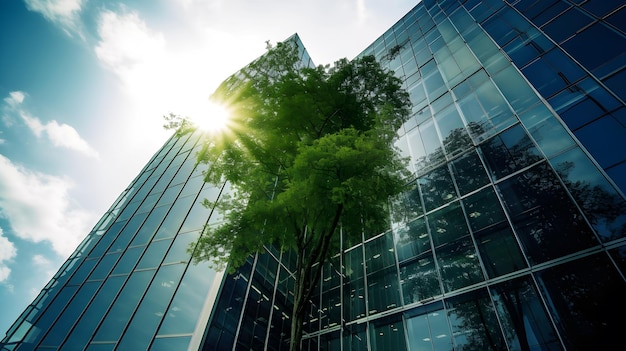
pixel 309 153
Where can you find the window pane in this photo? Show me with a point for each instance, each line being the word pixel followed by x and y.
pixel 585 296
pixel 419 279
pixel 469 173
pixel 525 321
pixel 483 209
pixel 412 239
pixel 508 152
pixel 388 334
pixel 437 188
pixel 604 207
pixel 499 250
pixel 383 290
pixel 546 221
pixel 474 322
pixel 458 264
pixel 144 323
pixel 447 224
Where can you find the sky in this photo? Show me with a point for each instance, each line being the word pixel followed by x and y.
pixel 83 88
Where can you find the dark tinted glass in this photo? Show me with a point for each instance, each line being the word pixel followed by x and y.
pixel 412 239
pixel 499 250
pixel 508 152
pixel 419 279
pixel 383 290
pixel 586 296
pixel 458 264
pixel 483 209
pixel 447 224
pixel 525 321
pixel 474 322
pixel 469 173
pixel 437 188
pixel 546 220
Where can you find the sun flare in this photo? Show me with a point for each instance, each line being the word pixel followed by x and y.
pixel 214 118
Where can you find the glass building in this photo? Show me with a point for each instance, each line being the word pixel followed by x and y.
pixel 516 233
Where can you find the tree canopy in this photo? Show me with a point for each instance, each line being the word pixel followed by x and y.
pixel 309 152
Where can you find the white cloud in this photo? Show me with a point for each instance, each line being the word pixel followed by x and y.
pixel 126 41
pixel 15 98
pixel 7 253
pixel 61 135
pixel 39 208
pixel 64 13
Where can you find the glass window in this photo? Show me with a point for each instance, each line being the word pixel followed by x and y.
pixel 174 218
pixel 545 219
pixel 546 130
pixel 419 279
pixel 458 264
pixel 354 298
pixel 355 337
pixel 107 238
pixel 383 290
pixel 499 250
pixel 524 319
pixel 104 266
pixel 454 135
pixel 437 188
pixel 604 207
pixel 128 261
pixel 154 254
pixel 515 89
pixel 122 309
pixel 147 318
pixel 379 253
pixel 447 224
pixel 432 145
pixel 428 329
pixel 474 322
pixel 412 239
pixel 171 343
pixel 584 297
pixel 483 209
pixel 72 312
pixel 388 334
pixel 128 232
pixel 147 230
pixel 86 325
pixel 469 173
pixel 605 139
pixel 406 206
pixel 508 152
pixel 596 46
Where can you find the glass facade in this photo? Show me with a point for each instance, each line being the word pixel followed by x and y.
pixel 512 237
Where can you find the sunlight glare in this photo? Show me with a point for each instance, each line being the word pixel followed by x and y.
pixel 214 118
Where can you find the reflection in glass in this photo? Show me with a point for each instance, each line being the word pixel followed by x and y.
pixel 388 334
pixel 546 221
pixel 184 311
pixel 586 296
pixel 474 322
pixel 437 188
pixel 150 312
pixel 524 319
pixel 383 290
pixel 447 224
pixel 458 264
pixel 419 279
pixel 604 207
pixel 508 152
pixel 499 250
pixel 427 329
pixel 412 239
pixel 469 173
pixel 483 209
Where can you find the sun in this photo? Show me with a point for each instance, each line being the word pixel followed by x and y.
pixel 213 118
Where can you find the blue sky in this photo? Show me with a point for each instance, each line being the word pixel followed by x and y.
pixel 83 86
